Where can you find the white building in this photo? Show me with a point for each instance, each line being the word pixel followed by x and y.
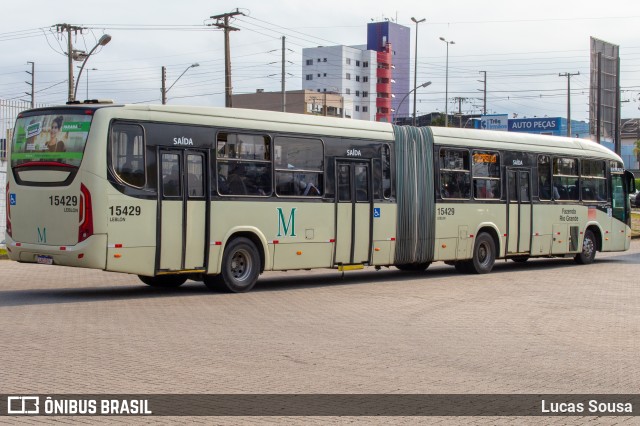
pixel 347 70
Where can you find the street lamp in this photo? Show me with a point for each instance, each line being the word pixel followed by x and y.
pixel 405 97
pixel 106 38
pixel 415 68
pixel 164 92
pixel 446 90
pixel 88 69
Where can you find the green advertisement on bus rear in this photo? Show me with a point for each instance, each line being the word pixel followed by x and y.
pixel 50 138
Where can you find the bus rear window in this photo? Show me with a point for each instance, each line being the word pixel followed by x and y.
pixel 50 138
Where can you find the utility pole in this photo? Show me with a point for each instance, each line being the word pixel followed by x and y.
pixel 568 75
pixel 69 29
pixel 164 85
pixel 324 105
pixel 33 83
pixel 460 100
pixel 484 91
pixel 222 22
pixel 284 93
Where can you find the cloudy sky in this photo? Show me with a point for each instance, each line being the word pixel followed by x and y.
pixel 522 46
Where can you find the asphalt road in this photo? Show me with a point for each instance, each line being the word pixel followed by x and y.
pixel 547 326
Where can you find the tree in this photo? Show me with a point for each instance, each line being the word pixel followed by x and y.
pixel 438 122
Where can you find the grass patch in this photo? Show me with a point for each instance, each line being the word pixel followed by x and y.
pixel 635 224
pixel 3 254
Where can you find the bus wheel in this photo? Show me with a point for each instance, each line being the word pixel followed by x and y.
pixel 520 259
pixel 414 267
pixel 588 254
pixel 484 254
pixel 240 268
pixel 164 281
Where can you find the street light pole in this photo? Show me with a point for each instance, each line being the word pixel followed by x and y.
pixel 164 92
pixel 33 83
pixel 446 85
pixel 415 69
pixel 106 38
pixel 405 97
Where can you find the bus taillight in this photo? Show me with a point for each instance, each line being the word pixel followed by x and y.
pixel 86 215
pixel 8 203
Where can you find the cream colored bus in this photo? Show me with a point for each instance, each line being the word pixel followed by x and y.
pixel 219 195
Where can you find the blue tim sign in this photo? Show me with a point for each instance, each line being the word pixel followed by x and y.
pixel 494 122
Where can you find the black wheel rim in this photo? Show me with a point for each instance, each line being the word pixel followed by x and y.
pixel 241 265
pixel 484 254
pixel 588 248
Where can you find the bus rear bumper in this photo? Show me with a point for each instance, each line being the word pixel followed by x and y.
pixel 90 253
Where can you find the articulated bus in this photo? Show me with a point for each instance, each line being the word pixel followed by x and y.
pixel 171 193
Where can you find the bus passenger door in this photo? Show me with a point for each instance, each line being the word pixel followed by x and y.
pixel 519 211
pixel 620 210
pixel 353 213
pixel 183 220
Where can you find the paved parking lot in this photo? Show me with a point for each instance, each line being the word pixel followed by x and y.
pixel 545 327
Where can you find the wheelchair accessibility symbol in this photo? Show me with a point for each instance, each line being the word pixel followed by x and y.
pixel 376 212
pixel 12 199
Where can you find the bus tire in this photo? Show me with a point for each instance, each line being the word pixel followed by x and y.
pixel 164 281
pixel 484 254
pixel 414 267
pixel 240 268
pixel 589 246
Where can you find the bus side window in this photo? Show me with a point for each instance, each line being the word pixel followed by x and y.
pixel 386 171
pixel 299 166
pixel 544 177
pixel 594 181
pixel 127 153
pixel 195 175
pixel 244 164
pixel 565 179
pixel 486 174
pixel 455 176
pixel 171 175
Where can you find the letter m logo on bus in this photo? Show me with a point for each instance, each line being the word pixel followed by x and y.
pixel 287 225
pixel 42 235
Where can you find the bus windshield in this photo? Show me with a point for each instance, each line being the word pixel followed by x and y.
pixel 53 137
